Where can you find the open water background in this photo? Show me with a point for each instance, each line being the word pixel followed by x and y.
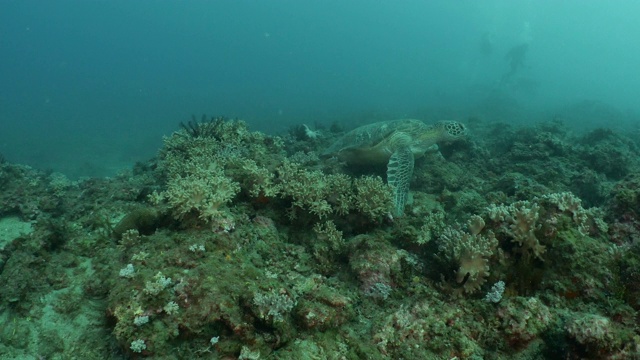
pixel 89 87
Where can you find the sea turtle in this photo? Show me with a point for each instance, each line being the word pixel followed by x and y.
pixel 396 143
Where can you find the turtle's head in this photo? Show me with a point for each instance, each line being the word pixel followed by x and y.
pixel 451 130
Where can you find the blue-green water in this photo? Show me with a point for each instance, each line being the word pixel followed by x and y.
pixel 88 87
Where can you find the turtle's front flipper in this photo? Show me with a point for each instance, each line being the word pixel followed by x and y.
pixel 399 171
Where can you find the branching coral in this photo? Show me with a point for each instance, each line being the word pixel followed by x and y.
pixel 207 163
pixel 220 129
pixel 202 193
pixel 314 191
pixel 432 227
pixel 328 235
pixel 336 194
pixel 273 306
pixel 373 197
pixel 225 142
pixel 259 181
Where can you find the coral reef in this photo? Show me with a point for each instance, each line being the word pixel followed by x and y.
pixel 518 243
pixel 470 253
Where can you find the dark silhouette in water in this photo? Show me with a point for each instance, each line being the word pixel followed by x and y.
pixel 486 44
pixel 515 56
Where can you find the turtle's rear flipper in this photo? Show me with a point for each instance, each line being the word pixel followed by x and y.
pixel 399 171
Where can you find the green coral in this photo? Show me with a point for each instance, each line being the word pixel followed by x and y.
pixel 431 228
pixel 257 180
pixel 324 195
pixel 209 164
pixel 524 319
pixel 314 191
pixel 328 235
pixel 373 197
pixel 203 193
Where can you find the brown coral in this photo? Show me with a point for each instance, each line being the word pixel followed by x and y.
pixel 471 253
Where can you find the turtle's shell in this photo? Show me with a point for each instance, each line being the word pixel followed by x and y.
pixel 374 143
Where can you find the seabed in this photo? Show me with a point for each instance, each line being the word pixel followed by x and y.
pixel 516 243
